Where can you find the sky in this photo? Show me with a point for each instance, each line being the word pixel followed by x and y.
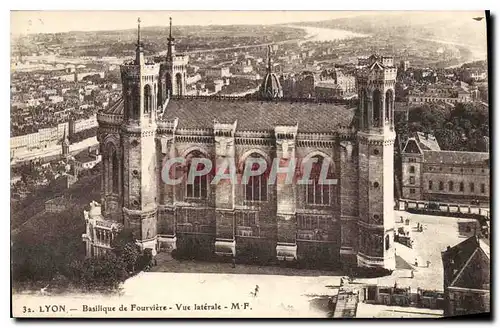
pixel 27 22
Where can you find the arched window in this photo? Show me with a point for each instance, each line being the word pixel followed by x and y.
pixel 450 185
pixel 441 185
pixel 148 99
pixel 256 187
pixel 377 101
pixel 388 104
pixel 199 187
pixel 365 109
pixel 461 186
pixel 178 83
pixel 167 86
pixel 318 192
pixel 114 171
pixel 412 169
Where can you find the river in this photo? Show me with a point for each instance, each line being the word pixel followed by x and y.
pixel 319 34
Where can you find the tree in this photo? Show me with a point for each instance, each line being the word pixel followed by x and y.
pixel 102 271
pixel 124 246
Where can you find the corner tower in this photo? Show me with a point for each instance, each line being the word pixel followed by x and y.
pixel 376 137
pixel 173 76
pixel 138 131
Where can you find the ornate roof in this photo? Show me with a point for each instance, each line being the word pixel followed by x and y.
pixel 271 87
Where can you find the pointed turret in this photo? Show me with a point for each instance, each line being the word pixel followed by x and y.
pixel 269 63
pixel 171 44
pixel 139 51
pixel 271 87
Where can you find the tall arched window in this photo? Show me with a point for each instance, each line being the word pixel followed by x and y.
pixel 114 171
pixel 365 109
pixel 450 185
pixel 178 83
pixel 318 192
pixel 256 187
pixel 441 185
pixel 376 108
pixel 200 185
pixel 388 104
pixel 148 99
pixel 168 85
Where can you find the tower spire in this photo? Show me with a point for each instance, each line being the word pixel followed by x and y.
pixel 170 45
pixel 138 31
pixel 139 56
pixel 170 31
pixel 269 64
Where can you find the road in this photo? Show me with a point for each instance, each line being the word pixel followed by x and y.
pixel 52 151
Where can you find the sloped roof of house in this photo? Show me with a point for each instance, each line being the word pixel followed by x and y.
pixel 467 265
pixel 456 157
pixel 427 141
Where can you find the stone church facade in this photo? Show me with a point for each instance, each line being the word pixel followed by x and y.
pixel 349 223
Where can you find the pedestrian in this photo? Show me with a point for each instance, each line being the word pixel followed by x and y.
pixel 412 274
pixel 428 263
pixel 233 263
pixel 330 303
pixel 256 289
pixel 416 262
pixel 401 219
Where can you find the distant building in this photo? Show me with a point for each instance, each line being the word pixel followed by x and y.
pixel 467 280
pixel 335 84
pixel 475 75
pixel 441 93
pixel 404 65
pixel 429 173
pixel 215 86
pixel 86 159
pixel 217 72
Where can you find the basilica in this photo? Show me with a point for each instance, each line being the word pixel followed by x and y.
pixel 348 223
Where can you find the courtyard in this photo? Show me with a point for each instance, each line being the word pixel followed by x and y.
pixel 290 292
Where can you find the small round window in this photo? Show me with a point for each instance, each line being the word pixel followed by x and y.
pixel 375 184
pixel 135 143
pixel 375 152
pixel 135 202
pixel 135 172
